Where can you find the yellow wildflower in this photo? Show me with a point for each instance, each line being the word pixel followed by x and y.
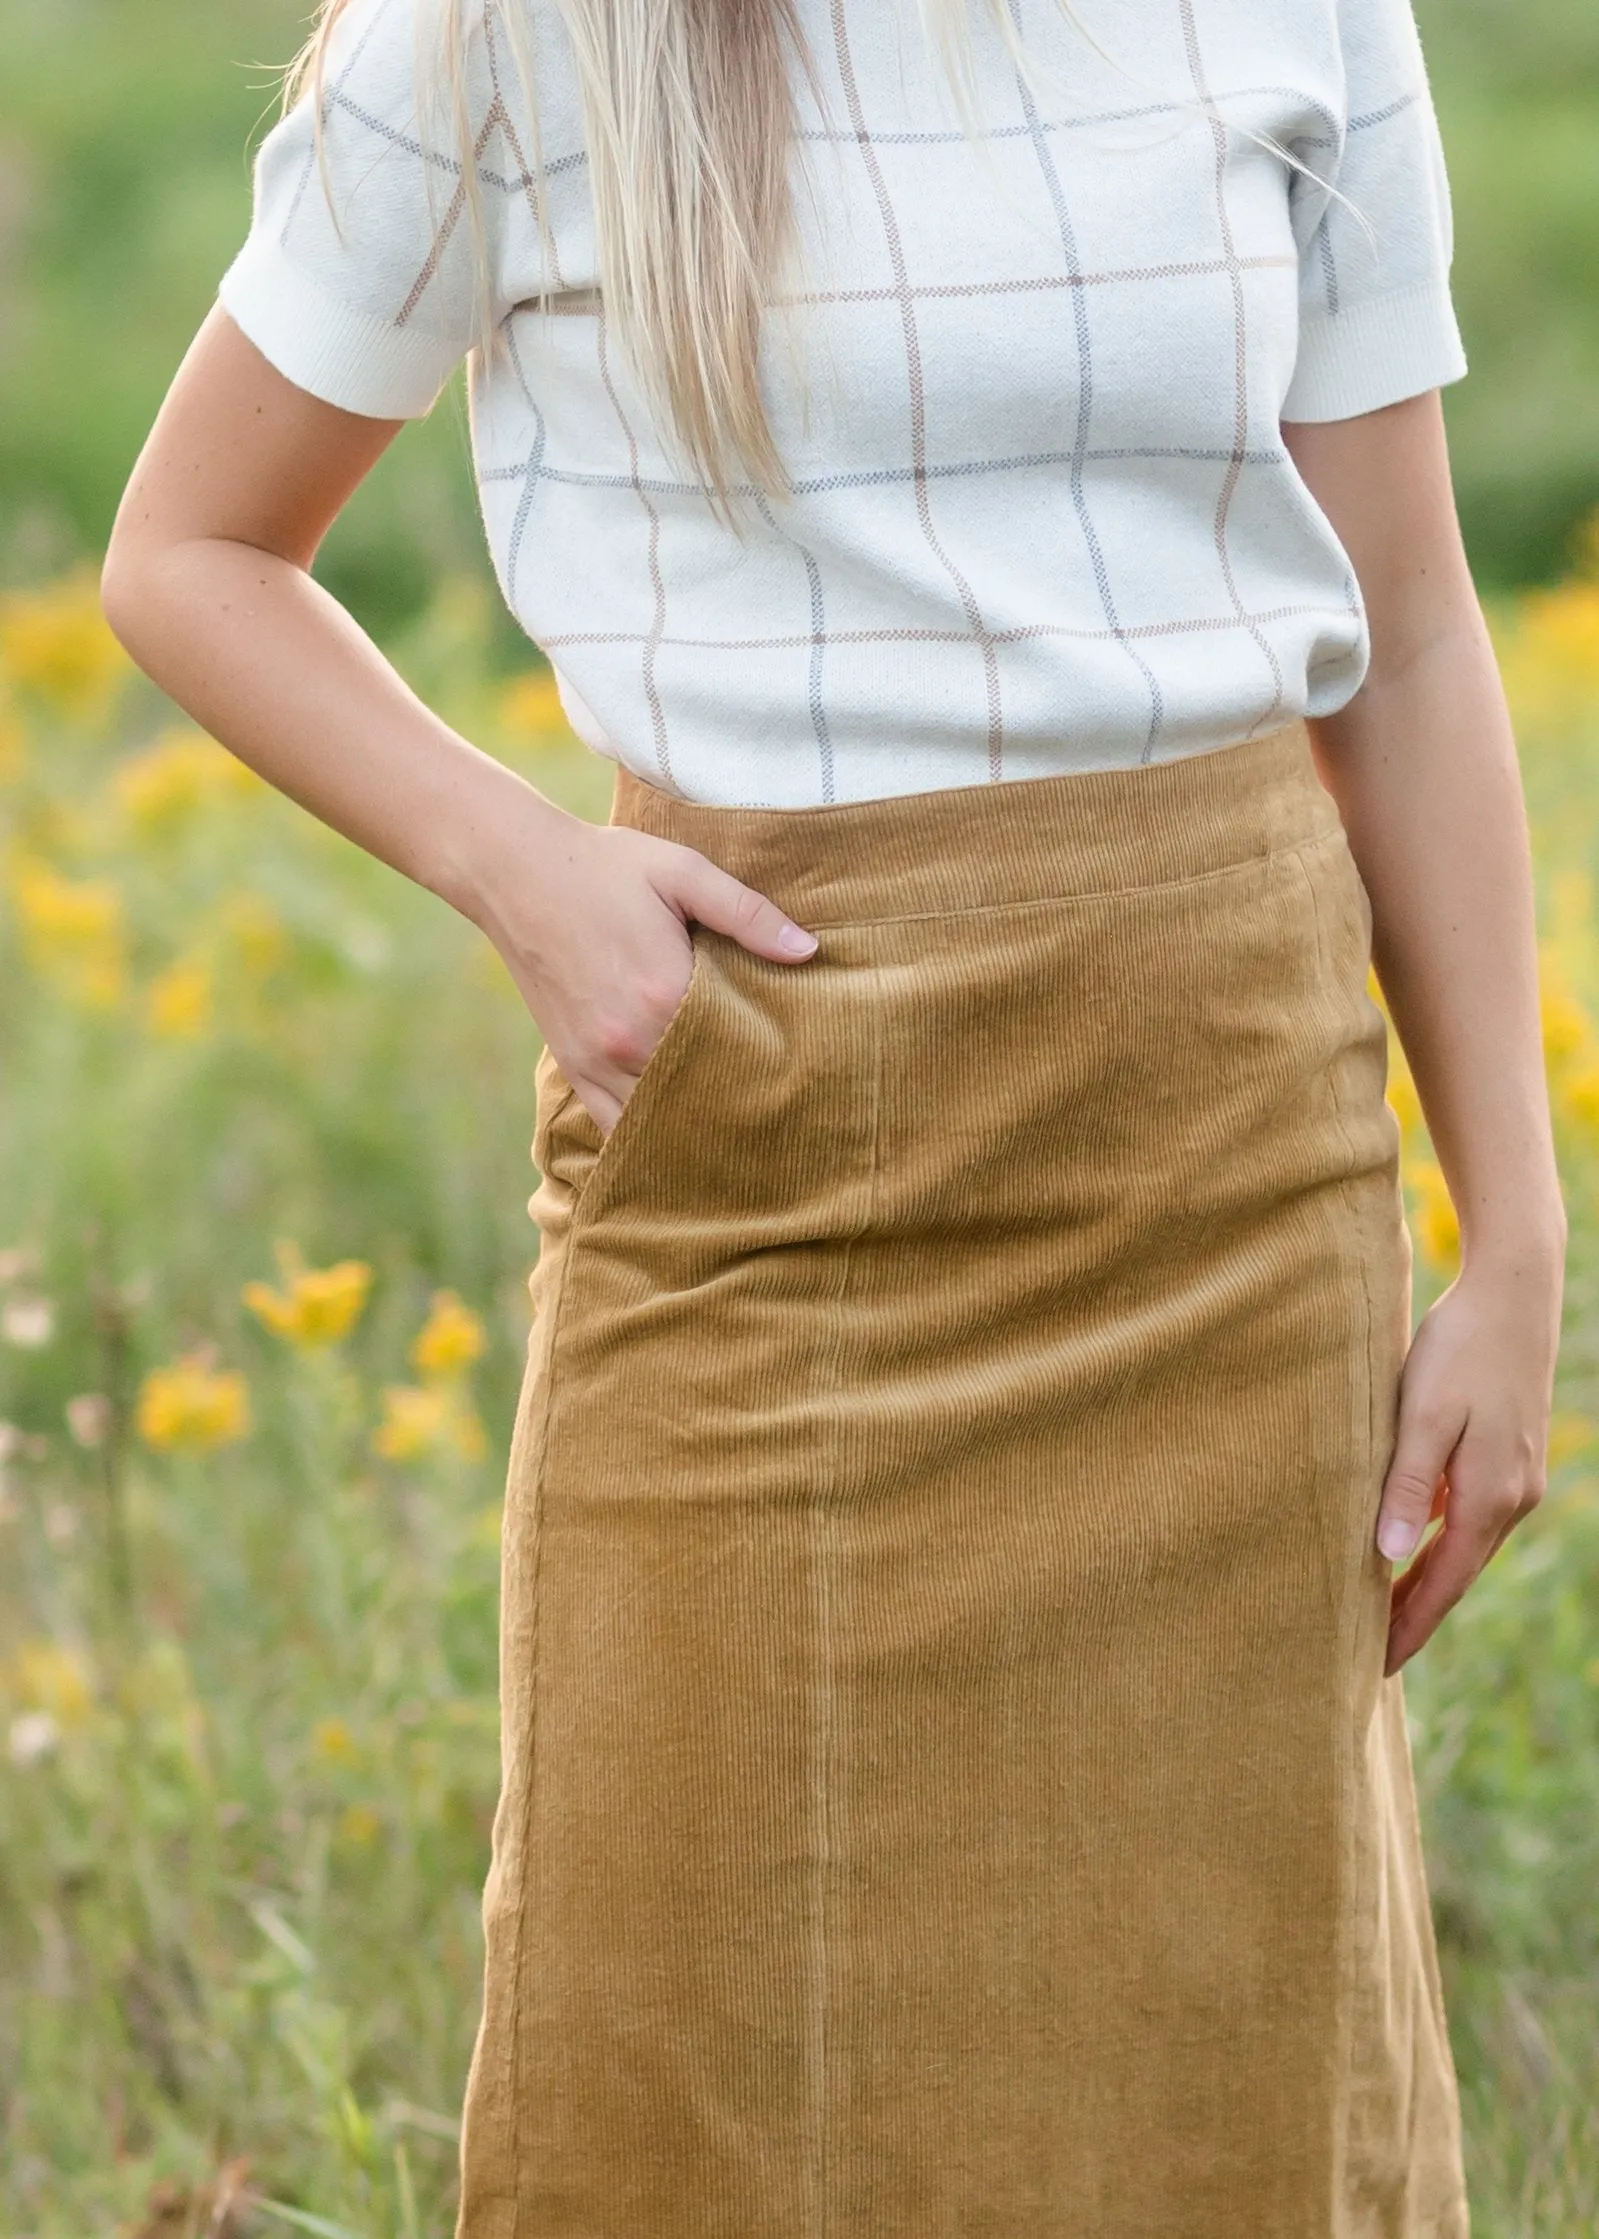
pixel 72 929
pixel 165 786
pixel 1436 1225
pixel 1560 626
pixel 1579 1093
pixel 1549 656
pixel 317 1305
pixel 51 1678
pixel 359 1826
pixel 55 644
pixel 178 1000
pixel 192 1406
pixel 332 1741
pixel 450 1340
pixel 530 707
pixel 422 1418
pixel 1405 1102
pixel 414 1419
pixel 1567 1027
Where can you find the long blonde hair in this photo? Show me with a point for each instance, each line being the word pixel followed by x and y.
pixel 688 114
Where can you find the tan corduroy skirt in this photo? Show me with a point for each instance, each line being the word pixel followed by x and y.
pixel 950 1788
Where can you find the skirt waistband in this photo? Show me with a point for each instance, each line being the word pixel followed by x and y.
pixel 1026 839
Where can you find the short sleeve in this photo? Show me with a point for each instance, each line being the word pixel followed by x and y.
pixel 1376 316
pixel 356 278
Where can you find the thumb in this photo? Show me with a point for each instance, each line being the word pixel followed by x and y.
pixel 701 890
pixel 1410 1491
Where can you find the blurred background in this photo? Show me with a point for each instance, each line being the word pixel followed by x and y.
pixel 264 1245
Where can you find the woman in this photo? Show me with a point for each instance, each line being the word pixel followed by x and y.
pixel 988 494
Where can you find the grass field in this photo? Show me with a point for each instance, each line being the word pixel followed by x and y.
pixel 263 1259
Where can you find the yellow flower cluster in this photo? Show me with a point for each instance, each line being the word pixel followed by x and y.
pixel 530 708
pixel 436 1413
pixel 1571 1059
pixel 332 1742
pixel 316 1305
pixel 45 1675
pixel 163 788
pixel 73 930
pixel 178 1002
pixel 55 646
pixel 192 1406
pixel 1570 1037
pixel 450 1340
pixel 1433 1221
pixel 1549 647
pixel 78 852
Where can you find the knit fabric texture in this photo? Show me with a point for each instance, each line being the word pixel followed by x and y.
pixel 1028 388
pixel 950 1785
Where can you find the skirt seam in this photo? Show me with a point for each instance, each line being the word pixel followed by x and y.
pixel 823 1520
pixel 535 1509
pixel 1347 1972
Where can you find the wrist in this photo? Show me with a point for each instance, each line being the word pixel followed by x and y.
pixel 1532 1249
pixel 491 847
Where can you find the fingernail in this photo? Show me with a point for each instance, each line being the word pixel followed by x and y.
pixel 796 940
pixel 1396 1538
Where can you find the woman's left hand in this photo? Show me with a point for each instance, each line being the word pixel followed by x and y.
pixel 1473 1436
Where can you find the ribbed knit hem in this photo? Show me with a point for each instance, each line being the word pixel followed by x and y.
pixel 341 354
pixel 1375 353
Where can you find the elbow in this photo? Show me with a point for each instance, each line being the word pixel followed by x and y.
pixel 115 603
pixel 119 590
pixel 129 574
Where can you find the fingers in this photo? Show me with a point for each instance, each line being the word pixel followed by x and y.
pixel 1427 1436
pixel 1431 1587
pixel 623 1039
pixel 603 1106
pixel 713 897
pixel 1487 1498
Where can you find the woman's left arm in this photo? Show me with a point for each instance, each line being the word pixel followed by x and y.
pixel 1422 763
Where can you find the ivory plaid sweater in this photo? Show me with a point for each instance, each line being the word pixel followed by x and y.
pixel 1028 390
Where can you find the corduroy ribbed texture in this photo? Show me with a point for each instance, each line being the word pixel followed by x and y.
pixel 950 1789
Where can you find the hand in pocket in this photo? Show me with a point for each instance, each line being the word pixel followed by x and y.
pixel 592 921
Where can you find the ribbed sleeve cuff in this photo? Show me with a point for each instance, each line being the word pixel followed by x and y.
pixel 1375 353
pixel 346 356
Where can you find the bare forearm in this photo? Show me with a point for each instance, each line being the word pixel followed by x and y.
pixel 1423 765
pixel 272 666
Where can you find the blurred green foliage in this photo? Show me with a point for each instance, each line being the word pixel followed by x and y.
pixel 1517 88
pixel 125 130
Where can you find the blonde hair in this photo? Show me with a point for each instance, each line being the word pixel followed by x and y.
pixel 689 117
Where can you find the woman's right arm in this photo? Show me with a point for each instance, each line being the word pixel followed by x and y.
pixel 207 583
